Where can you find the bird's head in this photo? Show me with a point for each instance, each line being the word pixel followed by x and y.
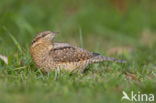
pixel 44 37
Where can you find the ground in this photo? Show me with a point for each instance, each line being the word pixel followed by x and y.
pixel 124 30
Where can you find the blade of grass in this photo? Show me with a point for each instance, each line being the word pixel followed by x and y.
pixel 14 40
pixel 19 68
pixel 56 74
pixel 81 38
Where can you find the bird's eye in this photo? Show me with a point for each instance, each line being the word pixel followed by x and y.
pixel 43 35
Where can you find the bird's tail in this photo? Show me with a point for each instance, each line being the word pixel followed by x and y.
pixel 100 58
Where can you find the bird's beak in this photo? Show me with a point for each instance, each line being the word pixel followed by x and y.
pixel 55 33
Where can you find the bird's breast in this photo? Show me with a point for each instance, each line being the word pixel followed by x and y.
pixel 40 54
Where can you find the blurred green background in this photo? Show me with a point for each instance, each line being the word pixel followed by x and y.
pixel 120 28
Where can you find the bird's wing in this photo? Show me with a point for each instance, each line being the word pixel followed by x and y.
pixel 63 52
pixel 59 45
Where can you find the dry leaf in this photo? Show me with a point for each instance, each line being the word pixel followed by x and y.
pixel 154 74
pixel 131 76
pixel 4 58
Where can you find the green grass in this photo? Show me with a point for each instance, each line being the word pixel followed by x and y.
pixel 93 24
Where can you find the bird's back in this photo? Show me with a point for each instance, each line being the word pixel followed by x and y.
pixel 63 52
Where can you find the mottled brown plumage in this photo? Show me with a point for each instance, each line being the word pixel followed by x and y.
pixel 48 55
pixel 69 54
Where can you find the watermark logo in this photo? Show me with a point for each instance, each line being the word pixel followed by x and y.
pixel 137 97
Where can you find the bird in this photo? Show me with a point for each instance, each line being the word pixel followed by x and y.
pixel 49 55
